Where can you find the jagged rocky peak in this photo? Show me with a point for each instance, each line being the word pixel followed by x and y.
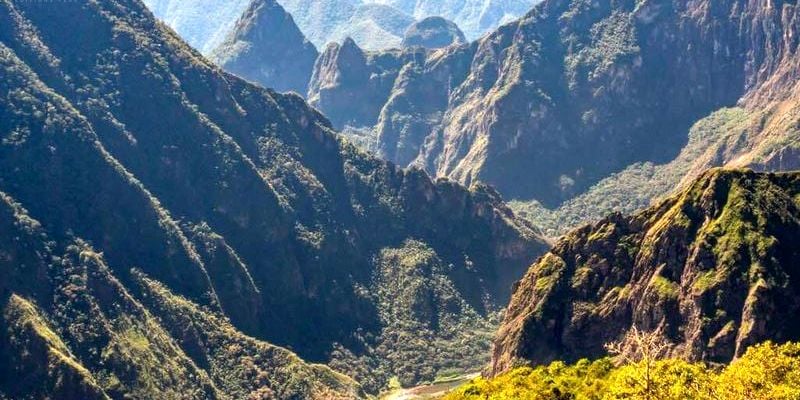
pixel 351 85
pixel 265 46
pixel 712 269
pixel 549 107
pixel 433 33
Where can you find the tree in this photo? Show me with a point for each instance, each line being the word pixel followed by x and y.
pixel 642 349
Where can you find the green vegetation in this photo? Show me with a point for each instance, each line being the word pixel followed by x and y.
pixel 708 267
pixel 643 184
pixel 705 281
pixel 426 321
pixel 766 371
pixel 665 288
pixel 136 154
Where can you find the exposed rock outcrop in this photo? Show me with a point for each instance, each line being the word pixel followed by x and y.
pixel 351 85
pixel 712 269
pixel 553 104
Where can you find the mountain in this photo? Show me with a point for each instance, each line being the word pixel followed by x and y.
pixel 374 27
pixel 475 17
pixel 713 270
pixel 266 47
pixel 204 24
pixel 580 109
pixel 380 24
pixel 433 33
pixel 175 231
pixel 351 84
pixel 320 19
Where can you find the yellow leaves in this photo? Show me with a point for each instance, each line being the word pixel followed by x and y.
pixel 766 372
pixel 665 380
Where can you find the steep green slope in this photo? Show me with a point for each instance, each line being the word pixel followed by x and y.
pixel 235 198
pixel 712 269
pixel 70 330
pixel 713 141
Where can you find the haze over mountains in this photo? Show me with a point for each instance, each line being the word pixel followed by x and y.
pixel 474 17
pixel 204 24
pixel 374 25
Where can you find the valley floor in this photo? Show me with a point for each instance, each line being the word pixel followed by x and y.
pixel 429 391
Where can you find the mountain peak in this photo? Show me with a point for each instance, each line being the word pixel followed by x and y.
pixel 433 33
pixel 348 44
pixel 267 47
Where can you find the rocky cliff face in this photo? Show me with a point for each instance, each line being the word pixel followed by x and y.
pixel 265 46
pixel 433 33
pixel 169 206
pixel 351 84
pixel 549 108
pixel 712 269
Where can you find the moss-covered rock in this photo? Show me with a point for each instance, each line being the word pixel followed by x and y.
pixel 712 269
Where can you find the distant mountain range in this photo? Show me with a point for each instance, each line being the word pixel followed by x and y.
pixel 204 24
pixel 474 17
pixel 374 25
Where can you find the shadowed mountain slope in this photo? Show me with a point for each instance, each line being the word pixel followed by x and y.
pixel 563 109
pixel 215 207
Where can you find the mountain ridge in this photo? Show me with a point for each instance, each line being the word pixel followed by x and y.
pixel 710 270
pixel 552 107
pixel 241 202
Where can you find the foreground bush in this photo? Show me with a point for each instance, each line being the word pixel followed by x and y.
pixel 766 372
